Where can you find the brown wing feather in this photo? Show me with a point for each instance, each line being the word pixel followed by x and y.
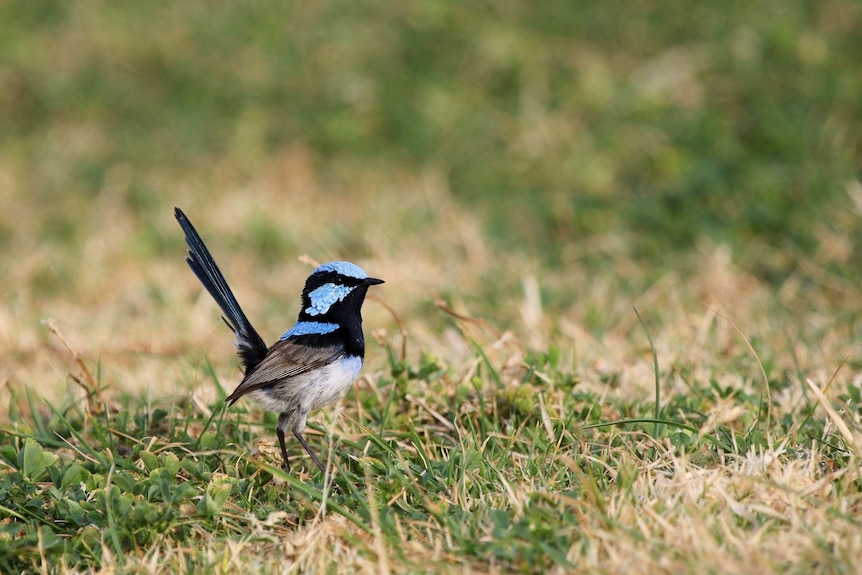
pixel 285 359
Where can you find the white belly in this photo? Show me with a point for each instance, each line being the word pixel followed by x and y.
pixel 311 390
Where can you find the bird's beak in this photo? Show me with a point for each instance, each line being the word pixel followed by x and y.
pixel 371 281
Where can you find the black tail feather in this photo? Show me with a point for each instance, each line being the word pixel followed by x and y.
pixel 250 346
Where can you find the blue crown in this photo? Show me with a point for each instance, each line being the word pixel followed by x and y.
pixel 344 268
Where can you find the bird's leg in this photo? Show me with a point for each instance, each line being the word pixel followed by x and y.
pixel 283 420
pixel 301 439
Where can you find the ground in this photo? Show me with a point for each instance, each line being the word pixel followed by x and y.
pixel 620 330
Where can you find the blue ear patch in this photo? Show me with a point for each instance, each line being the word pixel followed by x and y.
pixel 344 268
pixel 309 328
pixel 323 297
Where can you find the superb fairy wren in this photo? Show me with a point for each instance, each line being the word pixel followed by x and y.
pixel 313 364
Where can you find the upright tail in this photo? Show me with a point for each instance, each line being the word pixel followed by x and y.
pixel 250 346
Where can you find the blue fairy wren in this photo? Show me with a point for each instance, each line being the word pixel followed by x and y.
pixel 314 363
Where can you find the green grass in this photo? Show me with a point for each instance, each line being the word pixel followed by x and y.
pixel 524 177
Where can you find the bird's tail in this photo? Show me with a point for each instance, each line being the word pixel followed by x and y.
pixel 250 346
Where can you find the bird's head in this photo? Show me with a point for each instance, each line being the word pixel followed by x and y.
pixel 335 292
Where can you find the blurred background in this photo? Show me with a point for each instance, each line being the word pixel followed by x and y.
pixel 543 166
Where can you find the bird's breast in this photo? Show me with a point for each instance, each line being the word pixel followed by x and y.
pixel 311 390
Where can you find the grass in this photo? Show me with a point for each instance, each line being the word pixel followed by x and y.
pixel 620 330
pixel 511 461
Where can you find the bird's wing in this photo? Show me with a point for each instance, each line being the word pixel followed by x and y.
pixel 285 359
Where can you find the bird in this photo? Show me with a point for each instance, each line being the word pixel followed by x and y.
pixel 314 363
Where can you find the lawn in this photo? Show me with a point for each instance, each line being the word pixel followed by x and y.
pixel 620 331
